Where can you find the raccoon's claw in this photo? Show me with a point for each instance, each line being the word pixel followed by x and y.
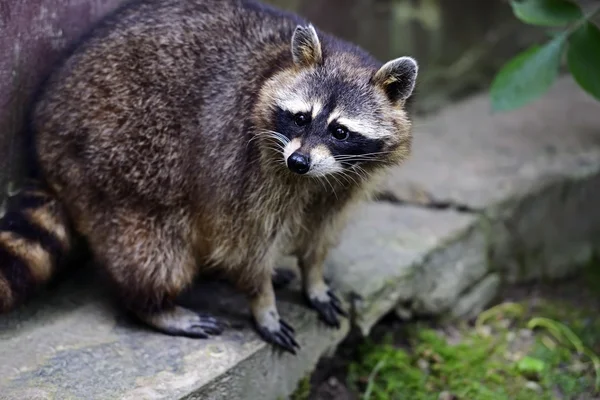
pixel 282 277
pixel 282 337
pixel 201 327
pixel 209 324
pixel 183 322
pixel 328 309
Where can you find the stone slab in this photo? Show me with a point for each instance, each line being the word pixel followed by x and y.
pixel 533 173
pixel 554 227
pixel 385 258
pixel 84 348
pixel 467 155
pixel 477 297
pixel 73 343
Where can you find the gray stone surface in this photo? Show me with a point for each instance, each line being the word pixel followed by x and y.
pixel 529 183
pixel 80 347
pixel 384 258
pixel 474 300
pixel 77 345
pixel 553 226
pixel 470 156
pixel 450 270
pixel 533 173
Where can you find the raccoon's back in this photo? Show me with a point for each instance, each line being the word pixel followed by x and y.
pixel 152 89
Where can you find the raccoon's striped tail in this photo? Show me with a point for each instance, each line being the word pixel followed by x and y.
pixel 35 238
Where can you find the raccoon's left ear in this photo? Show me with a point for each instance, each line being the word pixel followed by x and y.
pixel 397 78
pixel 306 47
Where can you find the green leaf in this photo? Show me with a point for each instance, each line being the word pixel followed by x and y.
pixel 531 367
pixel 583 58
pixel 546 12
pixel 527 76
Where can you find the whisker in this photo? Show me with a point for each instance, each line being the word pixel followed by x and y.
pixel 349 178
pixel 373 160
pixel 278 135
pixel 358 156
pixel 361 172
pixel 317 178
pixel 330 185
pixel 337 180
pixel 367 154
pixel 268 134
pixel 367 158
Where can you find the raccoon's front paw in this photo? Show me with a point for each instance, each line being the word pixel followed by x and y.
pixel 278 332
pixel 327 304
pixel 183 322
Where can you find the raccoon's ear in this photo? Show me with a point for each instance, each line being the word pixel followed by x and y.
pixel 397 78
pixel 306 47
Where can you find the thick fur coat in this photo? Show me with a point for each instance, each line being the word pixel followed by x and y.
pixel 183 135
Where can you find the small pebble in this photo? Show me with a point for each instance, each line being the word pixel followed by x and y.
pixel 446 396
pixel 505 323
pixel 525 333
pixel 423 364
pixel 533 386
pixel 577 366
pixel 404 313
pixel 485 330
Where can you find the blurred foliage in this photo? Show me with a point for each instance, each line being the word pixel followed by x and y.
pixel 544 344
pixel 573 36
pixel 503 358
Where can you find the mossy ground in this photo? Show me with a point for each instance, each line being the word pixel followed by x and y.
pixel 486 364
pixel 540 342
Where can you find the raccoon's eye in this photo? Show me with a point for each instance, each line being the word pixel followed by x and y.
pixel 339 132
pixel 301 119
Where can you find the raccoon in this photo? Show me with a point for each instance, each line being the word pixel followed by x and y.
pixel 182 136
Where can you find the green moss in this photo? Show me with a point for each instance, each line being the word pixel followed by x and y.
pixel 471 369
pixel 501 359
pixel 302 392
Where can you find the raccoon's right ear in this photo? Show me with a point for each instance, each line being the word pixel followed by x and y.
pixel 397 78
pixel 306 46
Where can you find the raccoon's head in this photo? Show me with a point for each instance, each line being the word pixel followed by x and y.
pixel 336 108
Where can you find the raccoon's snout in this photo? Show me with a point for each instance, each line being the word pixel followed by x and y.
pixel 298 163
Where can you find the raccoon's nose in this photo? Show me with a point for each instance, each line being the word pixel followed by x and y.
pixel 298 163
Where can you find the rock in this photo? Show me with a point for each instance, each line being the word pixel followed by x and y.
pixel 80 339
pixel 77 346
pixel 534 386
pixel 530 172
pixel 403 312
pixel 385 258
pixel 468 155
pixel 551 226
pixel 474 300
pixel 447 396
pixel 451 269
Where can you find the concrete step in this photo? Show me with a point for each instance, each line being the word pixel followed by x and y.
pixel 484 198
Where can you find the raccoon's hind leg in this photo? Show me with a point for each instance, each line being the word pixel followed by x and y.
pixel 150 262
